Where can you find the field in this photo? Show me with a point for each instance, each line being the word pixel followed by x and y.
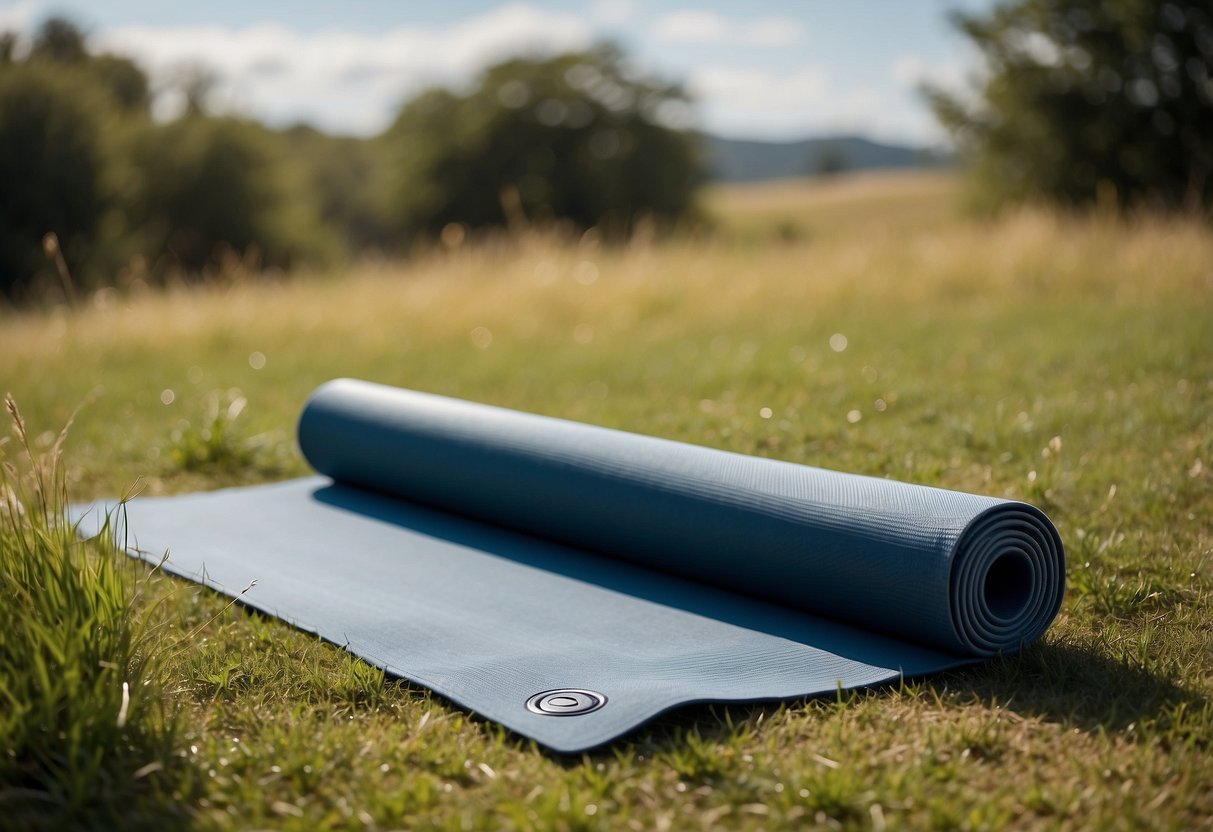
pixel 862 324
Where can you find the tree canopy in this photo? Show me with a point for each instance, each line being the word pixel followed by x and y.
pixel 205 186
pixel 1086 100
pixel 81 158
pixel 52 165
pixel 578 137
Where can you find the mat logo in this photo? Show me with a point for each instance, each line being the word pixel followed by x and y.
pixel 565 702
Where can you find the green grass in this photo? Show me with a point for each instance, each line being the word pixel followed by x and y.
pixel 1064 361
pixel 83 726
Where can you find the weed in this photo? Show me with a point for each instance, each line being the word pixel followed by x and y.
pixel 213 444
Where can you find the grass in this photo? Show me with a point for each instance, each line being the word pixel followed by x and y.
pixel 83 727
pixel 1064 361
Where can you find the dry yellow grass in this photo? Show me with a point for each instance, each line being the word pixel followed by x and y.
pixel 536 286
pixel 845 205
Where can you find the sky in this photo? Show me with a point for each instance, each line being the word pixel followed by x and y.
pixel 773 70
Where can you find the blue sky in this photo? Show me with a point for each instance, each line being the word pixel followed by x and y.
pixel 773 70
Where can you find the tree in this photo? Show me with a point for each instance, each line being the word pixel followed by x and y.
pixel 61 110
pixel 8 48
pixel 830 160
pixel 52 167
pixel 60 40
pixel 1087 100
pixel 343 174
pixel 124 80
pixel 205 186
pixel 577 137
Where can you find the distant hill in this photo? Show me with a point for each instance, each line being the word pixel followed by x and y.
pixel 744 160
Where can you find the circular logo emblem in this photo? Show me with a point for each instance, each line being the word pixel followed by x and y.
pixel 565 702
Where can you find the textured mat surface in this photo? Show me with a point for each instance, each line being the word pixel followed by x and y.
pixel 496 556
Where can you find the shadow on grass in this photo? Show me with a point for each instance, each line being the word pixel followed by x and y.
pixel 158 801
pixel 1073 686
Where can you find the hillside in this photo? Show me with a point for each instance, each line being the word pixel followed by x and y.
pixel 747 160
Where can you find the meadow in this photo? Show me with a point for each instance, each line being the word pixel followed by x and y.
pixel 862 323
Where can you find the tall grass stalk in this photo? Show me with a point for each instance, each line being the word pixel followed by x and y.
pixel 82 725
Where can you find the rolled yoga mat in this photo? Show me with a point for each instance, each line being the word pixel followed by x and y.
pixel 571 581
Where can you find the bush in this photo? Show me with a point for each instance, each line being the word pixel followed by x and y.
pixel 205 187
pixel 577 137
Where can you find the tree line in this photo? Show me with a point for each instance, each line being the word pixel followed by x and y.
pixel 1079 103
pixel 95 191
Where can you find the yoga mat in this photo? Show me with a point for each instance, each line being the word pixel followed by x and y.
pixel 571 581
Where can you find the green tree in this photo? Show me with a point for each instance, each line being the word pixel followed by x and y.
pixel 207 186
pixel 1087 100
pixel 60 40
pixel 577 137
pixel 125 81
pixel 62 43
pixel 343 174
pixel 61 114
pixel 8 48
pixel 52 169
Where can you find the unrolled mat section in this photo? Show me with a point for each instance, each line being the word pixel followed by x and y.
pixel 570 581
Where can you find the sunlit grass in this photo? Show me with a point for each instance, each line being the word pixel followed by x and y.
pixel 85 735
pixel 1065 361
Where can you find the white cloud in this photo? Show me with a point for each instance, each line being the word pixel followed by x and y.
pixel 773 31
pixel 911 72
pixel 613 12
pixel 699 26
pixel 691 26
pixel 353 82
pixel 747 102
pixel 744 100
pixel 19 17
pixel 758 89
pixel 344 81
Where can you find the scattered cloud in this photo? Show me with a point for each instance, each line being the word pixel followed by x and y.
pixel 353 81
pixel 759 86
pixel 744 100
pixel 911 72
pixel 613 12
pixel 345 81
pixel 773 31
pixel 19 17
pixel 691 26
pixel 700 26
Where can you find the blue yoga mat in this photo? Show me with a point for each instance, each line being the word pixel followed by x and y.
pixel 571 582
